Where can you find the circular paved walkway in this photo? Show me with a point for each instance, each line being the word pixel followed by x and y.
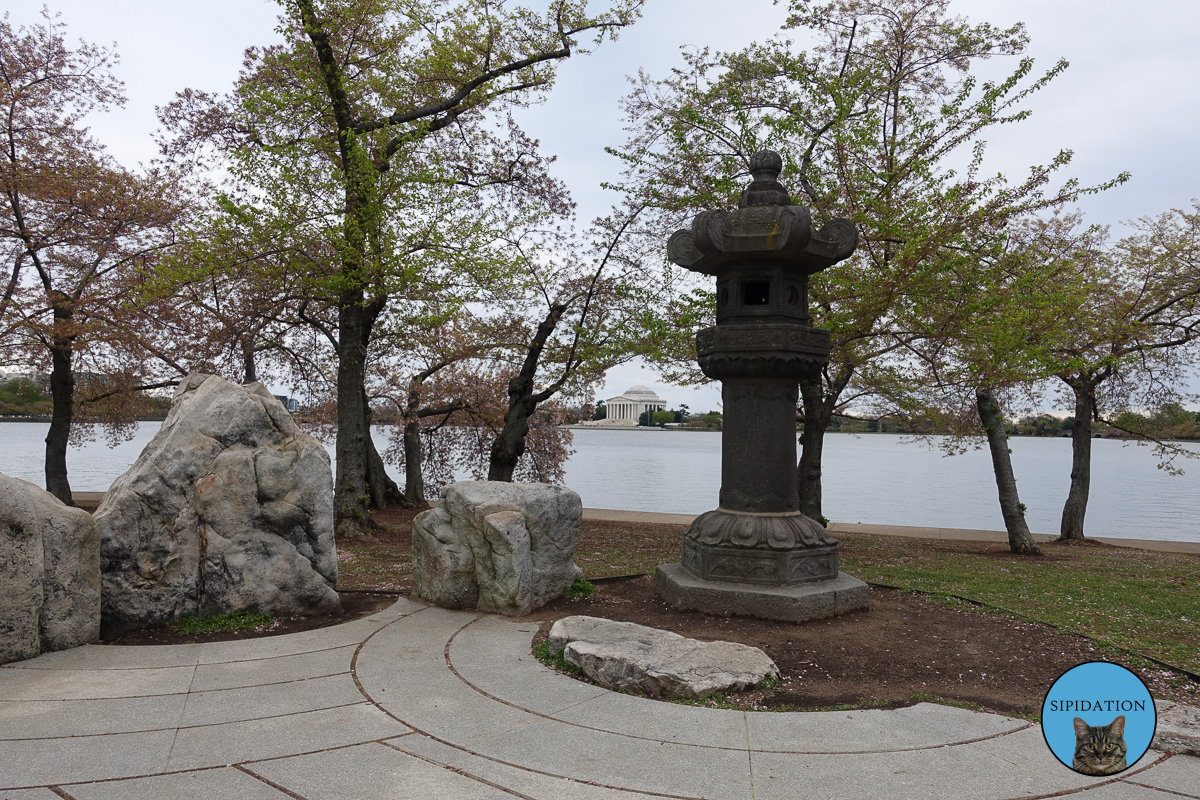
pixel 418 702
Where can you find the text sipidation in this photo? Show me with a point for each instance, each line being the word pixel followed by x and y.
pixel 1097 705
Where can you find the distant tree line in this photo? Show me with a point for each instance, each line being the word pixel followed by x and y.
pixel 1170 423
pixel 24 398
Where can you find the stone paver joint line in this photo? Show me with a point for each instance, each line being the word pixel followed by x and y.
pixel 749 753
pixel 283 789
pixel 632 792
pixel 1160 789
pixel 27 666
pixel 182 713
pixel 459 771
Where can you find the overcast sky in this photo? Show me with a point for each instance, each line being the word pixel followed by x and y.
pixel 1129 101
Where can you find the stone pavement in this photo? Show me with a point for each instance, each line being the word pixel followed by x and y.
pixel 419 702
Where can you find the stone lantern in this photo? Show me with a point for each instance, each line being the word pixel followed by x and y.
pixel 757 554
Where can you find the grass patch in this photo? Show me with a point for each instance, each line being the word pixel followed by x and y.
pixel 745 702
pixel 372 566
pixel 579 590
pixel 542 652
pixel 923 697
pixel 384 562
pixel 612 549
pixel 189 625
pixel 768 683
pixel 735 702
pixel 1139 600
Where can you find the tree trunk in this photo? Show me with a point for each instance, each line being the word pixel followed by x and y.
pixel 414 478
pixel 351 495
pixel 248 367
pixel 1020 540
pixel 62 395
pixel 384 491
pixel 1081 459
pixel 509 444
pixel 812 441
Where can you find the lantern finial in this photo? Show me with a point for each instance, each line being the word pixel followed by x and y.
pixel 765 190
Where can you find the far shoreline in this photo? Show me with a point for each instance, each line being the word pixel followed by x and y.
pixel 46 420
pixel 91 499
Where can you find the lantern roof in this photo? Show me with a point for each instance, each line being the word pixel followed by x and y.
pixel 766 227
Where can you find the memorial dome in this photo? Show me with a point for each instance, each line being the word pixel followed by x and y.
pixel 628 408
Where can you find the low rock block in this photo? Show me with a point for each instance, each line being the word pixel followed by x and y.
pixel 507 548
pixel 625 656
pixel 798 603
pixel 49 573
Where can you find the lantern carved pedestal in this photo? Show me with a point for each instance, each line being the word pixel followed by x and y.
pixel 756 554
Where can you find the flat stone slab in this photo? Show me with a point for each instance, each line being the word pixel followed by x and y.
pixel 625 656
pixel 799 603
pixel 1178 728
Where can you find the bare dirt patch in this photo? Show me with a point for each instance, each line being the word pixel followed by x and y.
pixel 906 649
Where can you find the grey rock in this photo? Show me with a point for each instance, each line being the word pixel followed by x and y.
pixel 1178 728
pixel 625 656
pixel 507 548
pixel 229 508
pixel 49 573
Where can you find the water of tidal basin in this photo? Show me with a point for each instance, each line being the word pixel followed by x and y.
pixel 876 478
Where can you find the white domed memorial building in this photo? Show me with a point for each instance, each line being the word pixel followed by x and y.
pixel 627 408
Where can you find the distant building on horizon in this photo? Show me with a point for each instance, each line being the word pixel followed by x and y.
pixel 626 409
pixel 290 403
pixel 18 372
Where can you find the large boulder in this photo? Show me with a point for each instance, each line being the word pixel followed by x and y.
pixel 49 573
pixel 507 548
pixel 229 508
pixel 629 657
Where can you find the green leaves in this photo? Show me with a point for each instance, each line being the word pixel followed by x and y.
pixel 880 122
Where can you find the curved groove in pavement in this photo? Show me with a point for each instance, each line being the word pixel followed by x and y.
pixel 184 727
pixel 490 696
pixel 644 792
pixel 119 647
pixel 468 751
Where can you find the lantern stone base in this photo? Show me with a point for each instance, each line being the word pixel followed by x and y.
pixel 797 603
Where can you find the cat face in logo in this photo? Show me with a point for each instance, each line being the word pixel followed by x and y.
pixel 1099 750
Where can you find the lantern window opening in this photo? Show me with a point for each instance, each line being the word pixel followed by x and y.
pixel 756 293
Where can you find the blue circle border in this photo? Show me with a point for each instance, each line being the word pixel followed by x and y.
pixel 1046 697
